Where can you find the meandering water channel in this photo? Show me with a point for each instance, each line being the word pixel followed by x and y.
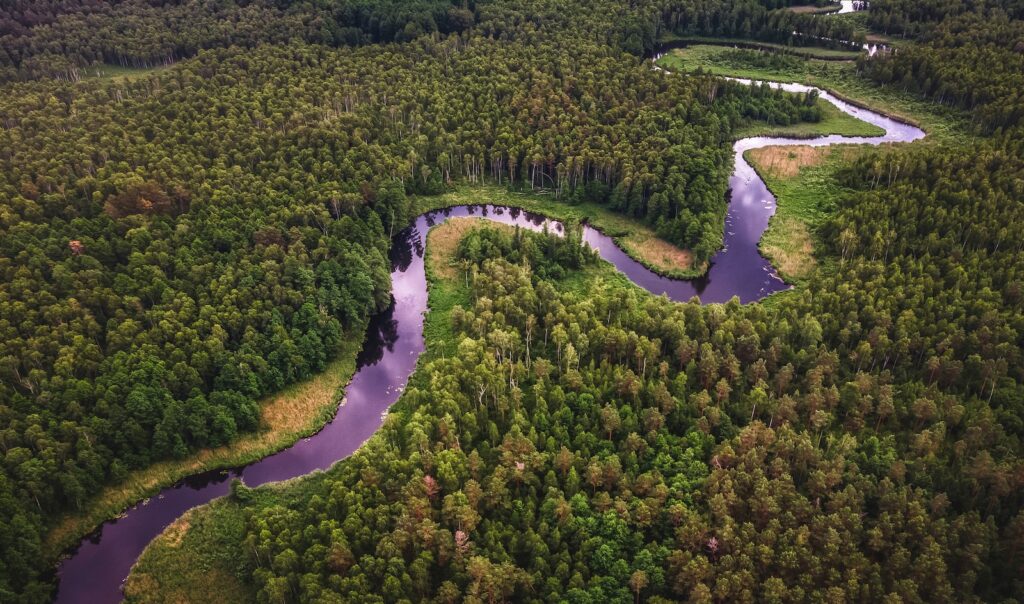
pixel 94 572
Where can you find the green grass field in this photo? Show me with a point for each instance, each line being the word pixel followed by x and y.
pixel 197 554
pixel 859 21
pixel 816 52
pixel 803 180
pixel 941 123
pixel 833 122
pixel 810 9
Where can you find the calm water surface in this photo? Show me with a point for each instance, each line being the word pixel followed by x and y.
pixel 94 572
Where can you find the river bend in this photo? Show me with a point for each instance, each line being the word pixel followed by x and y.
pixel 94 572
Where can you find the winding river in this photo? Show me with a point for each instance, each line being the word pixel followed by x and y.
pixel 96 569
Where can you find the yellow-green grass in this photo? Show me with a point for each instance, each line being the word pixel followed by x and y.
pixel 636 238
pixel 811 9
pixel 811 52
pixel 443 240
pixel 943 124
pixel 293 413
pixel 187 562
pixel 447 283
pixel 803 180
pixel 834 121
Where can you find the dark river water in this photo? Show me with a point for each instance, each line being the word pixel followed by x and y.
pixel 94 572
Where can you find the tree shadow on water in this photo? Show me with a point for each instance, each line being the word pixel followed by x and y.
pixel 381 335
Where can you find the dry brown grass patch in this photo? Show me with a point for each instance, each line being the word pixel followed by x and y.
pixel 792 247
pixel 659 254
pixel 174 533
pixel 443 240
pixel 138 585
pixel 290 411
pixel 146 589
pixel 786 162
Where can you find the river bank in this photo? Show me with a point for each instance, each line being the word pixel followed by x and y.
pixel 942 123
pixel 396 341
pixel 298 411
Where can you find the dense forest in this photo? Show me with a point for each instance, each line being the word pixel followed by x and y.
pixel 175 246
pixel 612 445
pixel 759 20
pixel 59 38
pixel 859 442
pixel 955 43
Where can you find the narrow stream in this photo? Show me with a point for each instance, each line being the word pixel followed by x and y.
pixel 94 572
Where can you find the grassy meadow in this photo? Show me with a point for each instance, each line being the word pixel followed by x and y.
pixel 841 78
